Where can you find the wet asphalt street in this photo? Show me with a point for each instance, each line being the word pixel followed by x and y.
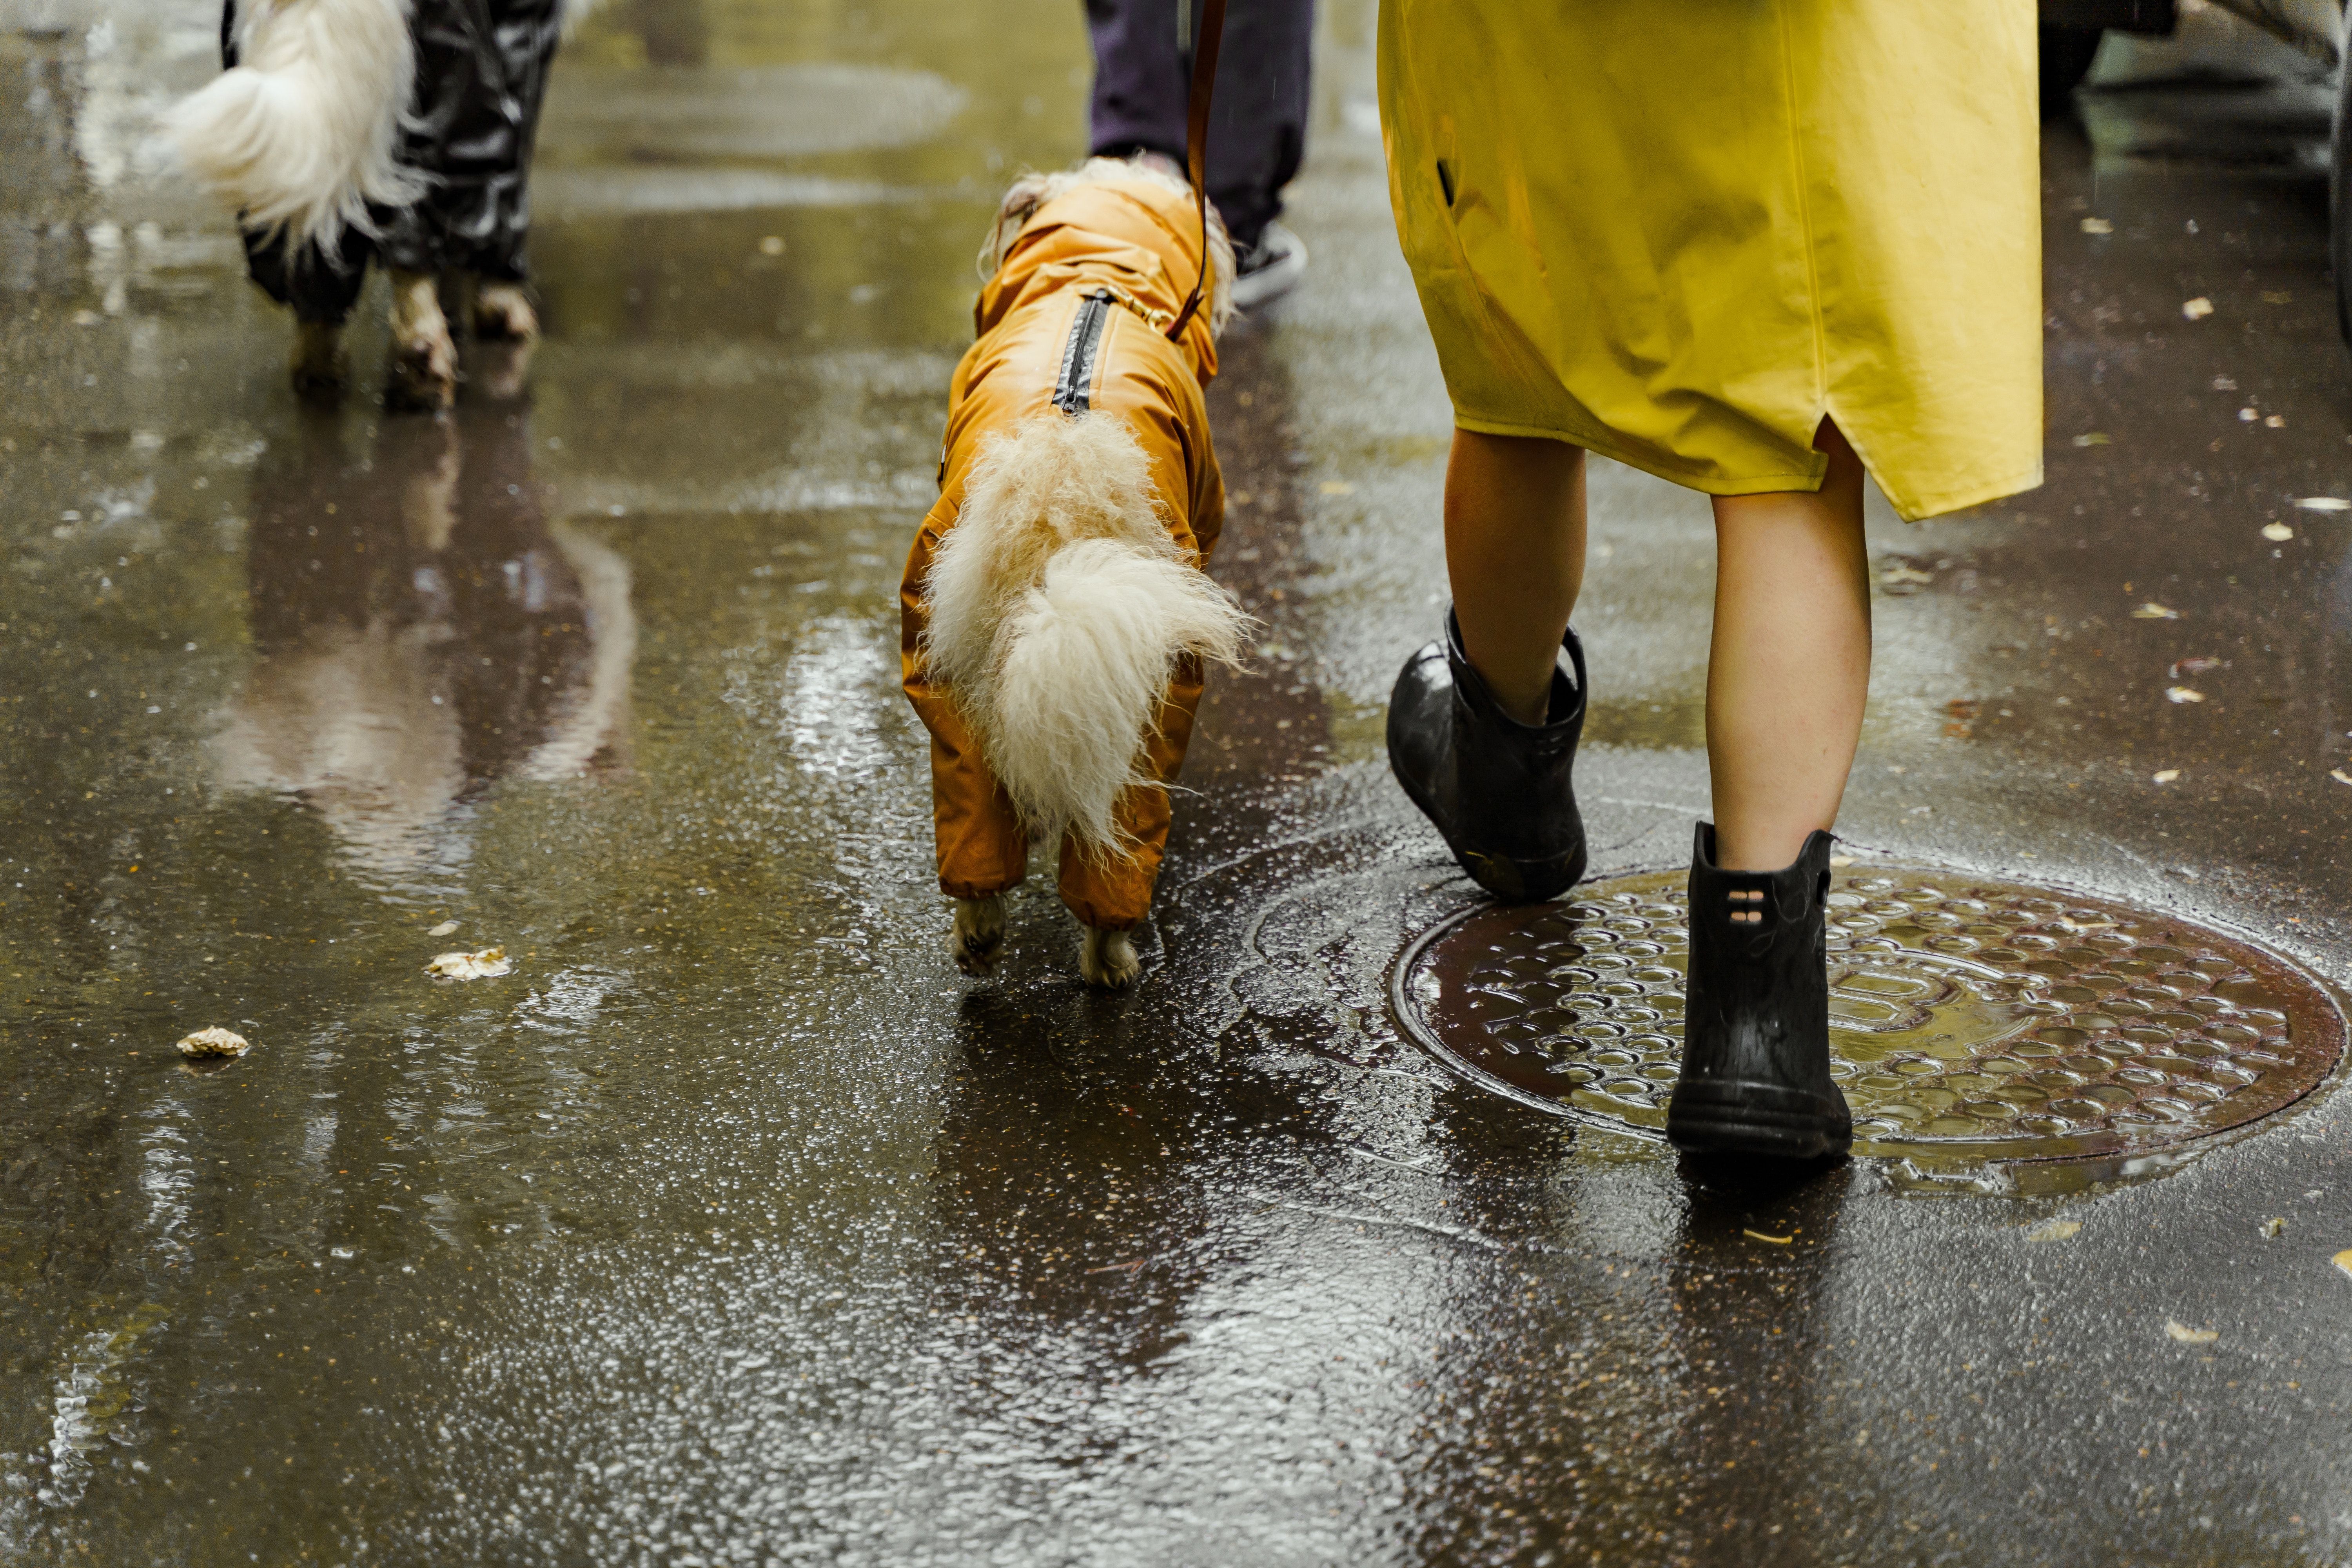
pixel 733 1226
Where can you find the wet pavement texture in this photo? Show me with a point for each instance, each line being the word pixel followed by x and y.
pixel 733 1226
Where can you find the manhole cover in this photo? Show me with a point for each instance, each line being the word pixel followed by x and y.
pixel 1968 1018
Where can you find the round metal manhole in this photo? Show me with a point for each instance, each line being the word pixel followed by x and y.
pixel 1968 1018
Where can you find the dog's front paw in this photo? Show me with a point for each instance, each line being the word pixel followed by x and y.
pixel 1107 958
pixel 423 358
pixel 978 935
pixel 503 313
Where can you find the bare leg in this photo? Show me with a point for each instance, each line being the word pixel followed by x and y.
pixel 1514 551
pixel 1790 667
pixel 424 359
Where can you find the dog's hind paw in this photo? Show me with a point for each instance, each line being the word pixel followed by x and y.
pixel 503 313
pixel 1107 958
pixel 317 362
pixel 978 935
pixel 424 376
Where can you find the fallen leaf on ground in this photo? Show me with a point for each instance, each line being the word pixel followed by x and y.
pixel 444 929
pixel 2197 309
pixel 2197 666
pixel 2095 438
pixel 2274 421
pixel 2248 416
pixel 1775 1240
pixel 2339 775
pixel 2189 1336
pixel 2325 503
pixel 2165 775
pixel 2152 611
pixel 2273 1228
pixel 215 1042
pixel 2183 694
pixel 487 965
pixel 2055 1230
pixel 2097 225
pixel 2343 1260
pixel 2277 532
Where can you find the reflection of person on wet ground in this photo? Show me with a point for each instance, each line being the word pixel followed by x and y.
pixel 1258 125
pixel 1719 260
pixel 422 629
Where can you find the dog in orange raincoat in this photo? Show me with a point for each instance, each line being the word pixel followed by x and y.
pixel 1056 613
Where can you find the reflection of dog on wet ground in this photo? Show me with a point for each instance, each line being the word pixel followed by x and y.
pixel 1057 611
pixel 422 629
pixel 393 130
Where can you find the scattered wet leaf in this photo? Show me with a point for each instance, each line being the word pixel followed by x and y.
pixel 215 1042
pixel 444 929
pixel 2273 1228
pixel 2197 666
pixel 2182 694
pixel 2274 421
pixel 1775 1240
pixel 2189 1336
pixel 2165 775
pixel 2152 611
pixel 2097 225
pixel 1337 488
pixel 2095 438
pixel 487 965
pixel 2197 309
pixel 2339 775
pixel 2343 1260
pixel 2248 416
pixel 2325 503
pixel 2055 1230
pixel 2277 532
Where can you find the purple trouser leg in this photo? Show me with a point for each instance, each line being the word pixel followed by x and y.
pixel 1258 129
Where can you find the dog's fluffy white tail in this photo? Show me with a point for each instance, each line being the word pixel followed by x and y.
pixel 304 133
pixel 1059 608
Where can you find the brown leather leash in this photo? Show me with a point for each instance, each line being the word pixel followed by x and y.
pixel 1196 143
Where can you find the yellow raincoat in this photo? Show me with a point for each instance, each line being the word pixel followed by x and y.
pixel 1680 233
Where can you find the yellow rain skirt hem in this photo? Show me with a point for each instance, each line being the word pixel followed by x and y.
pixel 1680 238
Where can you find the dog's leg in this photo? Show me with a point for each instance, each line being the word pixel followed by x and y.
pixel 1107 958
pixel 424 359
pixel 978 934
pixel 503 313
pixel 318 361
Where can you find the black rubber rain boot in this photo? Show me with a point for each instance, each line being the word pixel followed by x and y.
pixel 1498 790
pixel 1756 1024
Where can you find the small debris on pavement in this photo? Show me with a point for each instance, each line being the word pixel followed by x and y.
pixel 2339 775
pixel 2344 1260
pixel 444 929
pixel 2189 1336
pixel 2182 694
pixel 2274 421
pixel 1896 573
pixel 215 1042
pixel 2273 1228
pixel 487 965
pixel 2197 309
pixel 2097 225
pixel 2277 532
pixel 2152 611
pixel 1840 862
pixel 2197 666
pixel 2095 438
pixel 2325 503
pixel 1775 1240
pixel 2055 1230
pixel 2164 776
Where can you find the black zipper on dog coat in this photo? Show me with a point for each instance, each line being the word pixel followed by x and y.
pixel 1072 389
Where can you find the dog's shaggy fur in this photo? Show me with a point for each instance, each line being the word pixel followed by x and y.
pixel 304 133
pixel 1059 608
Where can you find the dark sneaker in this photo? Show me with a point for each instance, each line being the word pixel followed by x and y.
pixel 1498 790
pixel 1268 269
pixel 1756 1024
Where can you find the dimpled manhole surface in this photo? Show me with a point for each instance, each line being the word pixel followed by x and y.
pixel 1978 1018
